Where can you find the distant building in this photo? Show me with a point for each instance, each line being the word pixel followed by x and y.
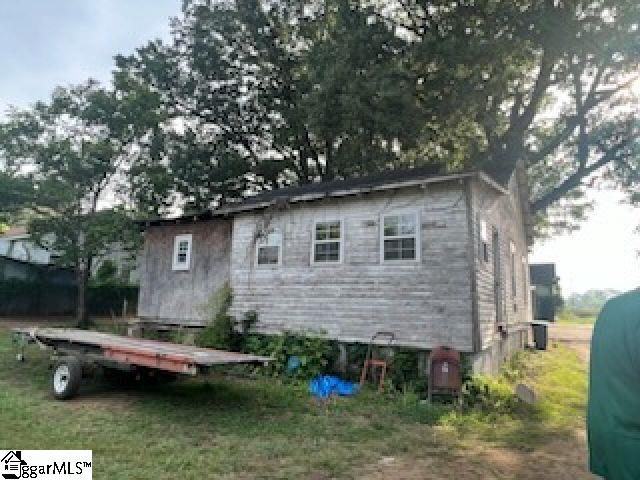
pixel 546 290
pixel 16 244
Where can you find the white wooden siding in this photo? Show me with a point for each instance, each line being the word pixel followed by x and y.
pixel 504 213
pixel 174 296
pixel 426 303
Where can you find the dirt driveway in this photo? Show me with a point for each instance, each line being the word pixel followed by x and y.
pixel 577 337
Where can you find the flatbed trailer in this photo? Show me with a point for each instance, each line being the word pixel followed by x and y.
pixel 76 351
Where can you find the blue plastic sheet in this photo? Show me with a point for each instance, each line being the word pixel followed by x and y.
pixel 323 386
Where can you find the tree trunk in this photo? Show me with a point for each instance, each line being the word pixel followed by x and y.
pixel 82 281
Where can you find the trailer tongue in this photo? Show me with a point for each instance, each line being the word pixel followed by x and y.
pixel 80 348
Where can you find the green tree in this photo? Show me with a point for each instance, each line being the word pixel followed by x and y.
pixel 260 93
pixel 539 81
pixel 257 94
pixel 74 148
pixel 106 273
pixel 15 192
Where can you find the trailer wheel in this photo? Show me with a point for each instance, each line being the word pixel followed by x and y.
pixel 66 378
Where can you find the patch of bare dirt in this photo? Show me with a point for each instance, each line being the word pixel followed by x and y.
pixel 577 337
pixel 560 460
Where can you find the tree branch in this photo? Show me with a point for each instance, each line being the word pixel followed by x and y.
pixel 575 179
pixel 554 143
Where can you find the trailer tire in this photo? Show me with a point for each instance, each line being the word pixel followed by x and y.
pixel 66 378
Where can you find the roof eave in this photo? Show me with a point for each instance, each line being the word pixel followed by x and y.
pixel 486 178
pixel 229 210
pixel 308 197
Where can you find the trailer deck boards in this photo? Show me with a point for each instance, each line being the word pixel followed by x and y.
pixel 136 351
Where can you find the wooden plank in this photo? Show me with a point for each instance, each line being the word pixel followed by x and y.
pixel 140 350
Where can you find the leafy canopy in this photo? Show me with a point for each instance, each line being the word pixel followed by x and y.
pixel 70 156
pixel 254 94
pixel 67 154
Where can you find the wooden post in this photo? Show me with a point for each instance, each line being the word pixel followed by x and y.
pixel 343 360
pixel 423 371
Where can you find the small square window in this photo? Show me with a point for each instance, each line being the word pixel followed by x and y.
pixel 327 242
pixel 182 252
pixel 269 249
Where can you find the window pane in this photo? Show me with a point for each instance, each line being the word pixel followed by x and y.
pixel 183 250
pixel 327 252
pixel 392 249
pixel 322 232
pixel 408 248
pixel 327 230
pixel 272 239
pixel 407 225
pixel 400 249
pixel 390 226
pixel 268 255
pixel 334 230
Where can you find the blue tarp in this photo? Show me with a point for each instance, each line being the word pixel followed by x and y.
pixel 323 386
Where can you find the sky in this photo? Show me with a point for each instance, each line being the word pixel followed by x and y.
pixel 48 43
pixel 603 253
pixel 44 44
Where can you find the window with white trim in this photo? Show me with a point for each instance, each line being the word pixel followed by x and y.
pixel 400 237
pixel 269 251
pixel 182 252
pixel 327 242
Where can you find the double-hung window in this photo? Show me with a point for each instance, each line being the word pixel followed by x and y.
pixel 269 251
pixel 327 242
pixel 182 252
pixel 400 237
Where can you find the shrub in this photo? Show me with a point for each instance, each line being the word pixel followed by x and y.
pixel 220 331
pixel 315 354
pixel 490 394
pixel 496 394
pixel 406 372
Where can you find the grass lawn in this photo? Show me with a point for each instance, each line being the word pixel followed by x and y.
pixel 569 317
pixel 230 427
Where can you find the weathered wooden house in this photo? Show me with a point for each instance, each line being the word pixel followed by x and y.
pixel 437 259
